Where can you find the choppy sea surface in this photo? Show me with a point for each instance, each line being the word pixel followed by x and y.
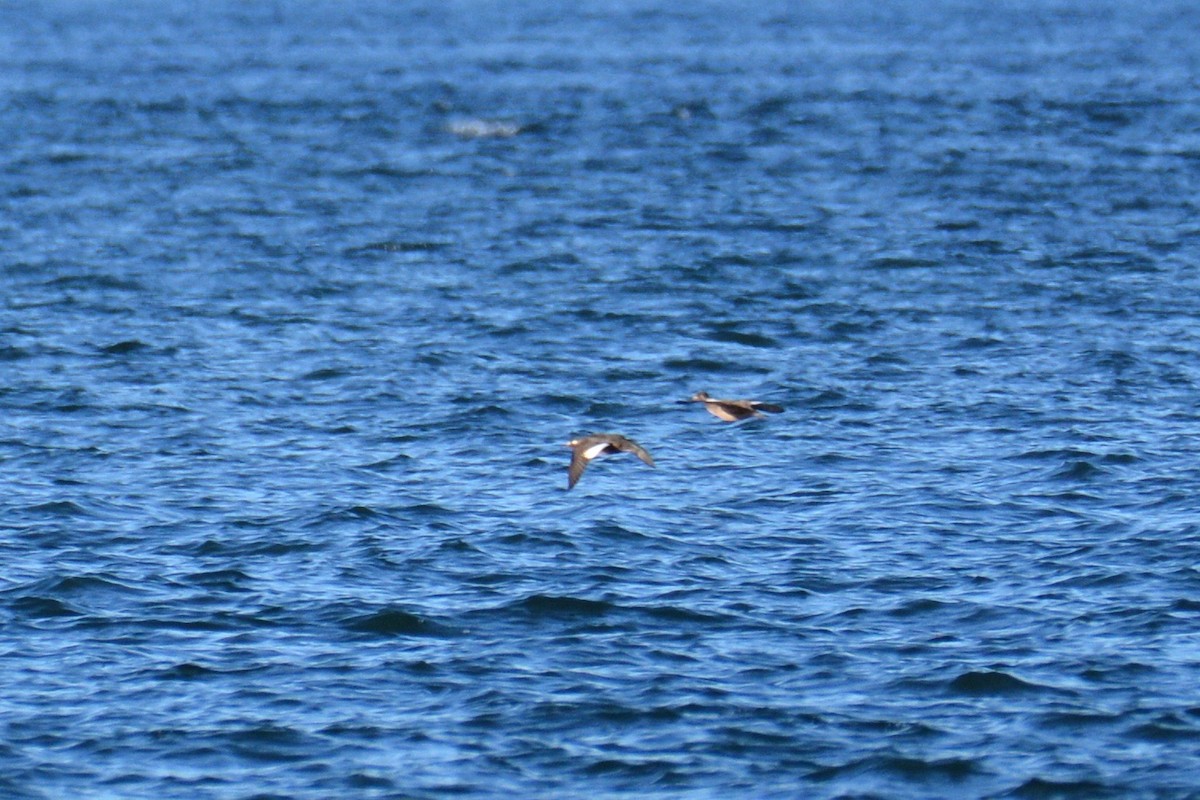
pixel 300 301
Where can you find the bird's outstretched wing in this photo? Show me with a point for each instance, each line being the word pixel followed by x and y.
pixel 579 463
pixel 630 446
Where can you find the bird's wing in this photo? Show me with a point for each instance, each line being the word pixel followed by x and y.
pixel 579 463
pixel 630 446
pixel 736 409
pixel 774 409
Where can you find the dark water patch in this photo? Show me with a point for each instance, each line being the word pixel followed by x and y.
pixel 36 607
pixel 224 580
pixel 541 264
pixel 96 282
pixel 708 366
pixel 681 614
pixel 889 263
pixel 210 615
pixel 265 545
pixel 1118 362
pixel 958 225
pixel 85 586
pixel 848 330
pixel 188 671
pixel 1093 579
pixel 796 290
pixel 1167 728
pixel 457 544
pixel 396 246
pixel 1129 672
pixel 1078 471
pixel 771 106
pixel 510 331
pixel 828 398
pixel 538 540
pixel 254 522
pixel 906 768
pixel 390 464
pixel 1046 789
pixel 739 260
pixel 603 409
pixel 887 360
pixel 613 531
pixel 369 782
pixel 741 739
pixel 562 606
pixel 992 682
pixel 979 343
pixel 1056 454
pixel 325 374
pixel 12 353
pixel 125 347
pixel 734 336
pixel 59 508
pixel 994 247
pixel 345 514
pixel 1080 720
pixel 606 315
pixel 565 402
pixel 499 579
pixel 626 373
pixel 393 622
pixel 936 769
pixel 921 606
pixel 1097 258
pixel 270 743
pixel 652 771
pixel 488 413
pixel 157 410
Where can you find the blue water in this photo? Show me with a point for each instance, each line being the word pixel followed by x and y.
pixel 300 302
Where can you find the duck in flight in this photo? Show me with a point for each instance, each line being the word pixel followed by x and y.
pixel 733 410
pixel 585 448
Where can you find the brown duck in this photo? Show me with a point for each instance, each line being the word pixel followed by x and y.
pixel 585 448
pixel 732 410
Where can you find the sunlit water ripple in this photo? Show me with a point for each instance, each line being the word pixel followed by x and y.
pixel 301 302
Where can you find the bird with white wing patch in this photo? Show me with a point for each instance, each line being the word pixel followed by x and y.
pixel 586 448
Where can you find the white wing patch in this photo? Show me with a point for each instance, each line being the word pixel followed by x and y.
pixel 594 450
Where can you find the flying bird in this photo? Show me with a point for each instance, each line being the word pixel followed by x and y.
pixel 585 448
pixel 732 410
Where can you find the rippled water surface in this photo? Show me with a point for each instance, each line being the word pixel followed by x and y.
pixel 300 302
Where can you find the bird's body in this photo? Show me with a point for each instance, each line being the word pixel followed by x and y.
pixel 585 448
pixel 733 410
